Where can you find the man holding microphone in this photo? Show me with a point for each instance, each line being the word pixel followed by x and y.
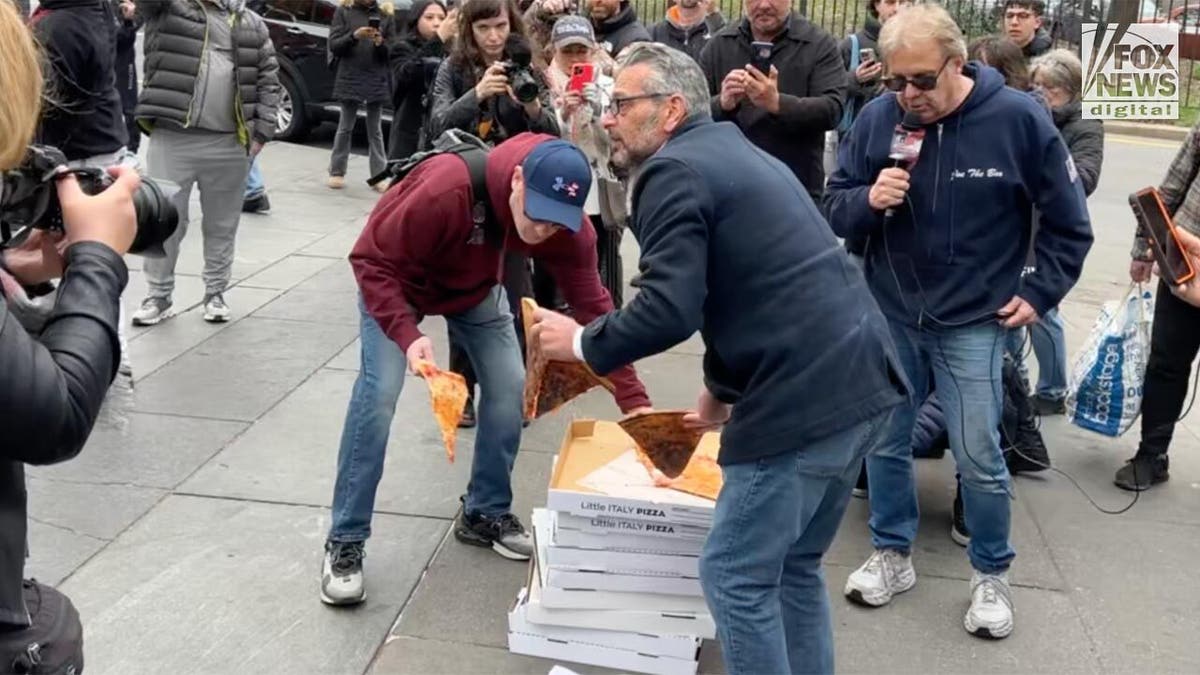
pixel 945 239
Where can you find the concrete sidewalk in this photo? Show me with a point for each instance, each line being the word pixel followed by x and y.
pixel 189 532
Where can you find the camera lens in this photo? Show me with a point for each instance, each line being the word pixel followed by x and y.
pixel 525 87
pixel 157 217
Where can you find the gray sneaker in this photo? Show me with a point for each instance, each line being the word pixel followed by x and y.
pixel 504 534
pixel 991 611
pixel 152 311
pixel 215 309
pixel 342 574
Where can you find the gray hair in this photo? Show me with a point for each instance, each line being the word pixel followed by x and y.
pixel 1060 69
pixel 920 23
pixel 671 72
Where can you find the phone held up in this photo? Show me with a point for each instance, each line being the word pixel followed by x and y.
pixel 761 56
pixel 866 55
pixel 1156 223
pixel 374 21
pixel 582 74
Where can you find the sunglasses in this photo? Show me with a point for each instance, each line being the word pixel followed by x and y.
pixel 924 81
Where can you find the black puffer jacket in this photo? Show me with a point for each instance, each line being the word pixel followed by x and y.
pixel 617 32
pixel 50 393
pixel 174 45
pixel 456 107
pixel 690 39
pixel 415 62
pixel 1040 44
pixel 1085 142
pixel 362 67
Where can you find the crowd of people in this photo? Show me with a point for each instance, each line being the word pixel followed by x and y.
pixel 751 183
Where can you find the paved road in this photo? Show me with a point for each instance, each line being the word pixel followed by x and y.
pixel 189 531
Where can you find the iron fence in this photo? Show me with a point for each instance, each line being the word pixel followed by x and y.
pixel 1062 19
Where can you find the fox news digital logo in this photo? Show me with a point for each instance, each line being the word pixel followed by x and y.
pixel 1130 71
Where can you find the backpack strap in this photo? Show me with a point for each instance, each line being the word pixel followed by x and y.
pixel 481 205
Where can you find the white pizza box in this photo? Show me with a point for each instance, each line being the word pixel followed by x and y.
pixel 608 560
pixel 652 622
pixel 597 474
pixel 582 580
pixel 604 525
pixel 595 655
pixel 567 536
pixel 586 598
pixel 672 646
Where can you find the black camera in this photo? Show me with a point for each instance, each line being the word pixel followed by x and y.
pixel 519 71
pixel 29 199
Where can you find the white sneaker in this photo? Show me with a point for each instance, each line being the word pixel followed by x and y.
pixel 152 311
pixel 342 575
pixel 885 574
pixel 215 309
pixel 991 612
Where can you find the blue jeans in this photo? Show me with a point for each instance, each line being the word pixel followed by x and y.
pixel 966 365
pixel 1050 348
pixel 486 332
pixel 761 567
pixel 254 181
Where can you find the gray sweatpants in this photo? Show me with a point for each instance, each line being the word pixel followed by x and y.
pixel 217 164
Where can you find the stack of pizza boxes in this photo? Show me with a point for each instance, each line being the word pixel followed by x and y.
pixel 614 580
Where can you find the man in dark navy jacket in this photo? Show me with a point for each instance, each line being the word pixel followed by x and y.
pixel 798 363
pixel 946 269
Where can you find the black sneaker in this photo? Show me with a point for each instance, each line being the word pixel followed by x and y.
pixel 1142 472
pixel 504 535
pixel 259 204
pixel 1049 406
pixel 860 488
pixel 958 529
pixel 468 418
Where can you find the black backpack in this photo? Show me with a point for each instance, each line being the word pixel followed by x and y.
pixel 53 642
pixel 473 151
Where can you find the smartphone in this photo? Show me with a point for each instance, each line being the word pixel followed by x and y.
pixel 582 74
pixel 374 22
pixel 866 55
pixel 1156 223
pixel 761 56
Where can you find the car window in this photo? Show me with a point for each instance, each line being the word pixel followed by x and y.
pixel 290 10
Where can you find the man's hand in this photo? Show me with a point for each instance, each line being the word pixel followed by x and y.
pixel 555 333
pixel 366 33
pixel 763 88
pixel 733 89
pixel 889 189
pixel 128 9
pixel 1017 313
pixel 1189 291
pixel 709 414
pixel 255 148
pixel 868 71
pixel 1139 271
pixel 639 411
pixel 38 258
pixel 420 350
pixel 107 218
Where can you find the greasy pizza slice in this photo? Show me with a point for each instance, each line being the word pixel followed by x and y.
pixel 702 476
pixel 551 384
pixel 664 439
pixel 448 393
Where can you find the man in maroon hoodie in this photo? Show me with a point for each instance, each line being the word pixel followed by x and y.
pixel 423 253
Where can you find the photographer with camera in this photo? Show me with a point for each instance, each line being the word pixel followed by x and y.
pixel 53 384
pixel 415 60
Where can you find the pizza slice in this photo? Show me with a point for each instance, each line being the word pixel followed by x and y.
pixel 549 385
pixel 664 439
pixel 702 476
pixel 448 393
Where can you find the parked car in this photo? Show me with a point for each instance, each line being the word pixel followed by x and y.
pixel 300 32
pixel 1188 18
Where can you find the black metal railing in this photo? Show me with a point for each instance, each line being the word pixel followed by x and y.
pixel 1062 18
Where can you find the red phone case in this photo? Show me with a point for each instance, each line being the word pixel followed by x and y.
pixel 582 74
pixel 1162 208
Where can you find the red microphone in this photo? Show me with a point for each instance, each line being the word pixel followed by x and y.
pixel 906 147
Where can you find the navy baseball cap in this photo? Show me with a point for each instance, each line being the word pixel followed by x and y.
pixel 557 180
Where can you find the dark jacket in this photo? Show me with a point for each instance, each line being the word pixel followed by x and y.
pixel 691 39
pixel 732 246
pixel 954 253
pixel 414 63
pixel 812 88
pixel 456 107
pixel 362 68
pixel 421 252
pixel 1040 44
pixel 52 389
pixel 126 66
pixel 619 31
pixel 174 45
pixel 859 93
pixel 1085 142
pixel 83 114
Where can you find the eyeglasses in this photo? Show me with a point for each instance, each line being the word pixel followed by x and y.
pixel 617 107
pixel 924 81
pixel 1018 16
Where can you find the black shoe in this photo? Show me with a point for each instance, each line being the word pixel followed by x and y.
pixel 1142 472
pixel 1028 453
pixel 1049 406
pixel 504 535
pixel 259 204
pixel 468 418
pixel 860 488
pixel 958 529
